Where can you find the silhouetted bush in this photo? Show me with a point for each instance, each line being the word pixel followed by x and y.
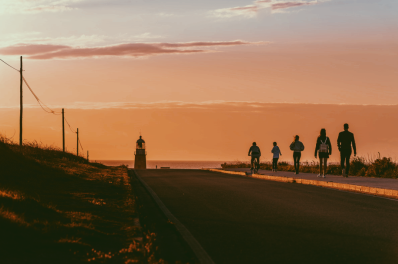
pixel 359 166
pixel 384 167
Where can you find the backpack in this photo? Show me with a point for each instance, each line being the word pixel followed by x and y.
pixel 255 151
pixel 323 147
pixel 296 147
pixel 292 145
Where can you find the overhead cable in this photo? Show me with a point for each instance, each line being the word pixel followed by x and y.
pixel 42 105
pixel 10 65
pixel 81 145
pixel 69 126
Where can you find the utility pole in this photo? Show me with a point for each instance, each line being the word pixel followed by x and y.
pixel 87 156
pixel 63 131
pixel 21 105
pixel 77 149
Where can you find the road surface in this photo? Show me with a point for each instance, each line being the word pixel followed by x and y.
pixel 244 220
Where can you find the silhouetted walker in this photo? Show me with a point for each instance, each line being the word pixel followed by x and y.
pixel 276 151
pixel 297 146
pixel 324 147
pixel 255 152
pixel 345 143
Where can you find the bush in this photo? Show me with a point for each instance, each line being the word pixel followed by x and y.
pixel 359 166
pixel 382 168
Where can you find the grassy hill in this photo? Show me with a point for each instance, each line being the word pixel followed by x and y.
pixel 56 207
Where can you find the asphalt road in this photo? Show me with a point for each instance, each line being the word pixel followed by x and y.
pixel 244 220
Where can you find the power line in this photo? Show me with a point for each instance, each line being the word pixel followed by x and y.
pixel 69 126
pixel 80 143
pixel 42 105
pixel 49 110
pixel 10 65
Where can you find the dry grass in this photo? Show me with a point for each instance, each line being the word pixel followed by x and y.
pixel 56 207
pixel 380 167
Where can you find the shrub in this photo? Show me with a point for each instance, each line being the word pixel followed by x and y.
pixel 333 170
pixel 382 168
pixel 359 166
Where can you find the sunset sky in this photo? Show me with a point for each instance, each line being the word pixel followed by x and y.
pixel 203 79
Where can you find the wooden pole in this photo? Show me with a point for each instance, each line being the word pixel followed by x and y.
pixel 21 105
pixel 87 156
pixel 77 149
pixel 63 131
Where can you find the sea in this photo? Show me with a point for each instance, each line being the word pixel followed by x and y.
pixel 173 164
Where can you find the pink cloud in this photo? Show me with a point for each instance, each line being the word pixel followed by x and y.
pixel 290 4
pixel 30 49
pixel 245 8
pixel 203 44
pixel 44 52
pixel 251 10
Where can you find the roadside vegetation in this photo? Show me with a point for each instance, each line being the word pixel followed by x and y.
pixel 381 167
pixel 57 207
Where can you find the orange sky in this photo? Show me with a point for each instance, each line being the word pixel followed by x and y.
pixel 211 131
pixel 94 92
pixel 311 73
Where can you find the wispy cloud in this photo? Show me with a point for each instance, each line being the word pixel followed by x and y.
pixel 291 4
pixel 213 104
pixel 165 14
pixel 145 36
pixel 31 49
pixel 81 41
pixel 241 11
pixel 49 8
pixel 37 6
pixel 250 11
pixel 153 105
pixel 50 51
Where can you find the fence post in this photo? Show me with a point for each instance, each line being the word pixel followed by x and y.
pixel 21 105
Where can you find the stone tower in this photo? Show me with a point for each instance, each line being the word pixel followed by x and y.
pixel 140 155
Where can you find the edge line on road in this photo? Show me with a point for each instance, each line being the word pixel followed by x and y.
pixel 200 253
pixel 370 191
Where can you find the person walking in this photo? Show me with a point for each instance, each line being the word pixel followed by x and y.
pixel 324 147
pixel 297 146
pixel 276 151
pixel 255 152
pixel 346 143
